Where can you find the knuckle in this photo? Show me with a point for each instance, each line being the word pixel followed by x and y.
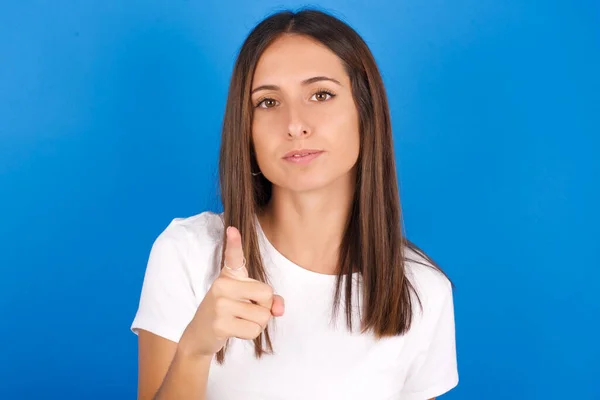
pixel 218 286
pixel 268 291
pixel 221 305
pixel 222 286
pixel 265 318
pixel 257 331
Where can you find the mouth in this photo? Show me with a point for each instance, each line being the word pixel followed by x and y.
pixel 302 156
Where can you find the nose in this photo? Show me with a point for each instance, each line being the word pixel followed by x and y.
pixel 298 133
pixel 298 126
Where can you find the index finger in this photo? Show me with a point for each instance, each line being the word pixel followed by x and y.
pixel 234 253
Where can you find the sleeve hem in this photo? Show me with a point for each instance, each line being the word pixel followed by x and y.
pixel 433 391
pixel 156 328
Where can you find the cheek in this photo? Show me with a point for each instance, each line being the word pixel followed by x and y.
pixel 345 137
pixel 265 140
pixel 261 147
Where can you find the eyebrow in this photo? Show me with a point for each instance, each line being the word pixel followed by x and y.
pixel 304 83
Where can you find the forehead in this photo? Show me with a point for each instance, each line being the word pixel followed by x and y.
pixel 292 58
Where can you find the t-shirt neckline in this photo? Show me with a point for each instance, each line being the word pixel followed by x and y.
pixel 282 260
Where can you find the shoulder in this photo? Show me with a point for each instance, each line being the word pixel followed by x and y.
pixel 194 243
pixel 183 262
pixel 431 285
pixel 426 277
pixel 204 227
pixel 192 236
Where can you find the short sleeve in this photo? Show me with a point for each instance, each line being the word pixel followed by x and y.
pixel 167 303
pixel 435 370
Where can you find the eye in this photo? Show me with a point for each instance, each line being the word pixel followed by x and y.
pixel 266 102
pixel 323 95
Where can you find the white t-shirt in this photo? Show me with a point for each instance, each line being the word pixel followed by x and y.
pixel 313 359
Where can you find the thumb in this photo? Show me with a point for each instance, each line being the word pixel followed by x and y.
pixel 278 307
pixel 234 255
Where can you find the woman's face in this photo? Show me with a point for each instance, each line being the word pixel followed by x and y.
pixel 303 103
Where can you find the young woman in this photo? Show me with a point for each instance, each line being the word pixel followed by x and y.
pixel 311 213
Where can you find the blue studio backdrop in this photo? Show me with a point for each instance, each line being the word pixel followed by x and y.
pixel 110 116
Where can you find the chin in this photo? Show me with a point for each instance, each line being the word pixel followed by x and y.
pixel 305 183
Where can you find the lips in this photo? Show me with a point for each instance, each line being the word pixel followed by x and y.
pixel 296 154
pixel 302 156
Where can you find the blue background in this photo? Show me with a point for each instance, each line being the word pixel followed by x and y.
pixel 110 115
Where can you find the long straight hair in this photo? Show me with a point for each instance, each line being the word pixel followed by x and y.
pixel 373 243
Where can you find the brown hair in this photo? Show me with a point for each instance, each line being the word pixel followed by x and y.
pixel 373 243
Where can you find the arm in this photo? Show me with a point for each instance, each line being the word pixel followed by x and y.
pixel 174 361
pixel 167 305
pixel 168 371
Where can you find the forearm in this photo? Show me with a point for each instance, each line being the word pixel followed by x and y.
pixel 186 378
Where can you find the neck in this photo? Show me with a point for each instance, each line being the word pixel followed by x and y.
pixel 307 228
